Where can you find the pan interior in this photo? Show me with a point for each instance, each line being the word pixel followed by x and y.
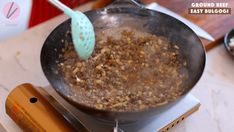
pixel 112 20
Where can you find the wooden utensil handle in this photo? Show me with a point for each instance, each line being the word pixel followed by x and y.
pixel 31 111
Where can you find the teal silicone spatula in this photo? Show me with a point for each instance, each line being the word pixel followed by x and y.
pixel 83 35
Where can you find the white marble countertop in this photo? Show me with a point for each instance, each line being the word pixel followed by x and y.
pixel 20 63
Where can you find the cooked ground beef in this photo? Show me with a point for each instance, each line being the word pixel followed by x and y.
pixel 130 73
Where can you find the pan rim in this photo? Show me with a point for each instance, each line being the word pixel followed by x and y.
pixel 85 107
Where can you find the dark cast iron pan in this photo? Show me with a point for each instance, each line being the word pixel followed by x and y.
pixel 125 13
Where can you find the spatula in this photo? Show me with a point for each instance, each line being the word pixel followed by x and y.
pixel 83 35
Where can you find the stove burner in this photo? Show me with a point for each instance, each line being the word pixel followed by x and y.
pixel 161 123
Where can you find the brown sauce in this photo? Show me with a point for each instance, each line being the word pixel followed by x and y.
pixel 130 73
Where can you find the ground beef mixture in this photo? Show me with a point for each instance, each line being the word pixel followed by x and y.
pixel 132 73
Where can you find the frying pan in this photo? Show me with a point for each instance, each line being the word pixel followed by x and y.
pixel 131 14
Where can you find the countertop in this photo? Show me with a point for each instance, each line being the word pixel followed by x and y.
pixel 20 63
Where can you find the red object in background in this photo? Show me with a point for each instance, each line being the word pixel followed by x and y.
pixel 42 10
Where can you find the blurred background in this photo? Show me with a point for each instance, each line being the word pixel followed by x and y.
pixel 18 15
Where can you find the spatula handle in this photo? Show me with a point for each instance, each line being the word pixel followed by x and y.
pixel 58 4
pixel 62 7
